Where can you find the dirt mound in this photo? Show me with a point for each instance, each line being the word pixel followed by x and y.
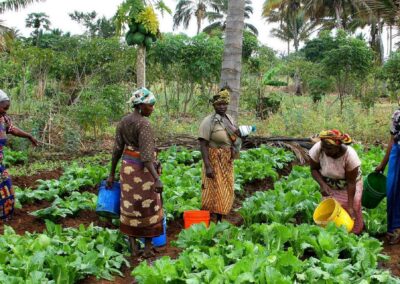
pixel 30 181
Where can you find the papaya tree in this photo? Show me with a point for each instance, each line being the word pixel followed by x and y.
pixel 143 30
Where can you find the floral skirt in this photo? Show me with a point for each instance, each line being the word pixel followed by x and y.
pixel 6 195
pixel 141 207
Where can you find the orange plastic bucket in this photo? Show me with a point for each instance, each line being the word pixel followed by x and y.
pixel 195 217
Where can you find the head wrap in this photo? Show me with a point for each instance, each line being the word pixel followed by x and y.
pixel 142 96
pixel 3 96
pixel 335 137
pixel 223 96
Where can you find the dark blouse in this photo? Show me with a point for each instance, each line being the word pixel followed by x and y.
pixel 134 131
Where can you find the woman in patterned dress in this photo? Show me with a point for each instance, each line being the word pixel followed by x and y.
pixel 216 136
pixel 393 180
pixel 6 127
pixel 141 187
pixel 337 169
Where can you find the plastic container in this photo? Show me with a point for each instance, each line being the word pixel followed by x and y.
pixel 195 217
pixel 245 130
pixel 329 210
pixel 161 240
pixel 108 200
pixel 374 190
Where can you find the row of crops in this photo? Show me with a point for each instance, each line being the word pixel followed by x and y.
pixel 276 244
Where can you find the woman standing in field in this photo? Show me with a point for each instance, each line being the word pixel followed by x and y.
pixel 6 127
pixel 217 135
pixel 393 180
pixel 336 168
pixel 141 187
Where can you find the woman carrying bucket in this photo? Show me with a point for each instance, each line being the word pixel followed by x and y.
pixel 217 136
pixel 141 187
pixel 336 168
pixel 7 127
pixel 393 180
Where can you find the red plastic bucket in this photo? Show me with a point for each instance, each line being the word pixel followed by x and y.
pixel 195 217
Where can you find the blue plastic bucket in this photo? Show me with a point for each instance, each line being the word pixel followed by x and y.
pixel 160 240
pixel 108 200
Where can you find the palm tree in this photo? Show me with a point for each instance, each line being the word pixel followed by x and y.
pixel 186 9
pixel 217 18
pixel 15 4
pixel 37 21
pixel 286 11
pixel 232 59
pixel 335 13
pixel 286 32
pixel 378 13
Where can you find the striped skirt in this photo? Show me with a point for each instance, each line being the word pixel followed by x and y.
pixel 218 192
pixel 141 207
pixel 341 196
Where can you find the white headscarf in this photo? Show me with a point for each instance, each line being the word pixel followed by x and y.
pixel 142 96
pixel 3 96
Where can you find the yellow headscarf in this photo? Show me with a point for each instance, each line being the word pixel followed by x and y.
pixel 335 137
pixel 223 96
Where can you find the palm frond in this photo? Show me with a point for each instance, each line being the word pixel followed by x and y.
pixel 14 5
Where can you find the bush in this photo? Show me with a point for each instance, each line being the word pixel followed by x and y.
pixel 268 105
pixel 318 88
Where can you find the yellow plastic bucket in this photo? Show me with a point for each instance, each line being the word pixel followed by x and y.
pixel 329 210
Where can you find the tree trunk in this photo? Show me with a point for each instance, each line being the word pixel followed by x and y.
pixel 232 60
pixel 390 39
pixel 198 24
pixel 165 95
pixel 296 40
pixel 141 67
pixel 338 14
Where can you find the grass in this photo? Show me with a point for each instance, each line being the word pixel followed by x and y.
pixel 300 117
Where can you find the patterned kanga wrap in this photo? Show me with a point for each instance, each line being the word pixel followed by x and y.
pixel 218 192
pixel 6 190
pixel 141 207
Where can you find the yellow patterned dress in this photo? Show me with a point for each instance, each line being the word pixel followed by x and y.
pixel 141 206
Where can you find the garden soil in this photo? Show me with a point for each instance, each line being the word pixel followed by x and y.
pixel 23 222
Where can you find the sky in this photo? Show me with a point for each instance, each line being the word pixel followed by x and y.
pixel 58 11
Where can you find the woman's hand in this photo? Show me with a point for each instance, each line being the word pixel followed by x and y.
pixel 110 181
pixel 33 141
pixel 158 186
pixel 352 213
pixel 326 190
pixel 210 172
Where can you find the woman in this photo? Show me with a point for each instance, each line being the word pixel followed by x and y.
pixel 336 168
pixel 393 180
pixel 141 187
pixel 217 136
pixel 6 127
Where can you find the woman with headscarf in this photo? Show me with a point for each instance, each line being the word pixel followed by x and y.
pixel 217 135
pixel 7 127
pixel 141 187
pixel 336 167
pixel 393 180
